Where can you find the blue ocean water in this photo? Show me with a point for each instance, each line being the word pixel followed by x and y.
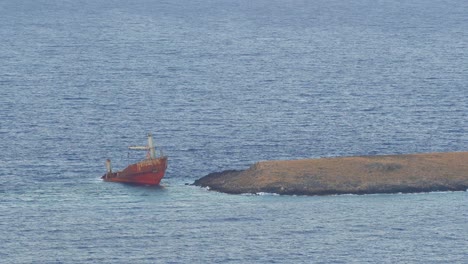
pixel 223 84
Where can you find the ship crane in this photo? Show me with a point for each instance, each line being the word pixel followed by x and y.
pixel 150 147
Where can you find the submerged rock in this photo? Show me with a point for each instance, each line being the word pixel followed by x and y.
pixel 347 175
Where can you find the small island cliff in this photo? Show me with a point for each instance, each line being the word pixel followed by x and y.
pixel 406 173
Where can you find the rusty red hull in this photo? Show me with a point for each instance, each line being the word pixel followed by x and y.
pixel 149 172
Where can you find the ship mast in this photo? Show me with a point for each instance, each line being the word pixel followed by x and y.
pixel 150 147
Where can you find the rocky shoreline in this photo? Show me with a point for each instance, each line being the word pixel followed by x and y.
pixel 408 173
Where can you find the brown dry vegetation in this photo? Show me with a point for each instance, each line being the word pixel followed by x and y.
pixel 356 175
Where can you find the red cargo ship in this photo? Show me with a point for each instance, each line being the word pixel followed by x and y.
pixel 149 171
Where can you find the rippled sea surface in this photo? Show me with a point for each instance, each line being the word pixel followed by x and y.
pixel 223 84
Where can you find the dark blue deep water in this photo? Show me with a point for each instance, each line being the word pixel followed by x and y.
pixel 223 84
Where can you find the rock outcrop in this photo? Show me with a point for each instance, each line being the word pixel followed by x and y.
pixel 347 175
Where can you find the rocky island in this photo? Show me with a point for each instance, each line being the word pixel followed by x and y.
pixel 347 175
